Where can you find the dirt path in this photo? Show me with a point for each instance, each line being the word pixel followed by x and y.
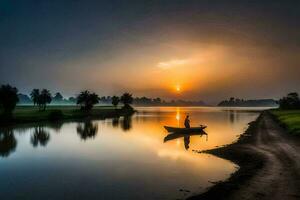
pixel 278 175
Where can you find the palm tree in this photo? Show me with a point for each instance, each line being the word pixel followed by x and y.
pixel 8 98
pixel 87 100
pixel 35 93
pixel 82 98
pixel 115 101
pixel 126 99
pixel 44 98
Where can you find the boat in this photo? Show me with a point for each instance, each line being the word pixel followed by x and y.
pixel 185 130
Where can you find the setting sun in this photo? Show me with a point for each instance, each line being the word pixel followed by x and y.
pixel 178 89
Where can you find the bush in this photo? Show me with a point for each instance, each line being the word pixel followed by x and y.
pixel 291 101
pixel 55 115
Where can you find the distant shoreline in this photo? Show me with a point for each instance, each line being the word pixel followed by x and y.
pixel 30 114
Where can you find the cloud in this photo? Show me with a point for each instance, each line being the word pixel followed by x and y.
pixel 172 63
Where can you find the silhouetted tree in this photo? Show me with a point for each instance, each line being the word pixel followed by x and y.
pixel 87 100
pixel 8 99
pixel 291 101
pixel 35 93
pixel 115 101
pixel 127 99
pixel 157 101
pixel 72 100
pixel 44 99
pixel 58 97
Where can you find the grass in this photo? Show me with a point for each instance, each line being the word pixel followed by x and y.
pixel 24 114
pixel 290 119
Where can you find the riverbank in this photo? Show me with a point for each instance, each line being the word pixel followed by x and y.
pixel 30 114
pixel 269 164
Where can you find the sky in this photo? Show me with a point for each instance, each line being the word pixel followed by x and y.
pixel 195 50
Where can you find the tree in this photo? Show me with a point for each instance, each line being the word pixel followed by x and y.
pixel 291 101
pixel 127 99
pixel 87 100
pixel 44 99
pixel 157 101
pixel 35 93
pixel 115 101
pixel 8 98
pixel 58 97
pixel 72 100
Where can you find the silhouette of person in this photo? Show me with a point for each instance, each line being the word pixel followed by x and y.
pixel 187 122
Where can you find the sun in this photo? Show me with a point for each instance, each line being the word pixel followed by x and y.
pixel 178 88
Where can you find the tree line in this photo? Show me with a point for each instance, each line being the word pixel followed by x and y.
pixel 41 97
pixel 237 102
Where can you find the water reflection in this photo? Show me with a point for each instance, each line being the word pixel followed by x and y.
pixel 126 123
pixel 115 122
pixel 133 162
pixel 8 142
pixel 40 137
pixel 186 137
pixel 87 130
pixel 57 125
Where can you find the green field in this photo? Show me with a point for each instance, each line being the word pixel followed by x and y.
pixel 290 119
pixel 23 114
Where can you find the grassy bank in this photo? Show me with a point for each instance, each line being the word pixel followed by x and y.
pixel 27 114
pixel 289 119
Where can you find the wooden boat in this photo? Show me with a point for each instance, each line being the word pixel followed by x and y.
pixel 185 130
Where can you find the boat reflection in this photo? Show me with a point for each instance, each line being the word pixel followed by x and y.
pixel 186 137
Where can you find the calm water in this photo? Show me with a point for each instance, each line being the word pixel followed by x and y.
pixel 118 158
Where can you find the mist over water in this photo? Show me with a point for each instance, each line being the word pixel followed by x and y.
pixel 126 158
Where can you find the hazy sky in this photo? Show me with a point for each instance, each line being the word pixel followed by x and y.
pixel 211 50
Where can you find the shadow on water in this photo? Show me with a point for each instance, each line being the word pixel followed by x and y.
pixel 40 137
pixel 8 142
pixel 87 130
pixel 186 137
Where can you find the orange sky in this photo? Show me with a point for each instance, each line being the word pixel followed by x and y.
pixel 211 50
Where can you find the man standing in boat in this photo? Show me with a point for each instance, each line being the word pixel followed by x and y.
pixel 187 122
